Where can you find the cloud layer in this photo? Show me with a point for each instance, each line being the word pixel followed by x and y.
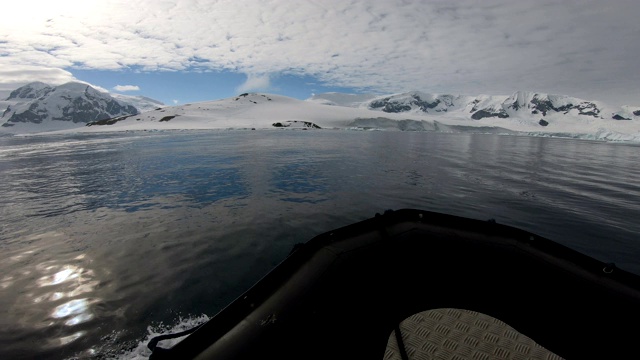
pixel 586 48
pixel 255 83
pixel 12 76
pixel 123 88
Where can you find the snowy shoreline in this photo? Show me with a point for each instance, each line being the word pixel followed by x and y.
pixel 606 138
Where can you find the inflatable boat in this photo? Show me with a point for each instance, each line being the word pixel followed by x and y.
pixel 346 294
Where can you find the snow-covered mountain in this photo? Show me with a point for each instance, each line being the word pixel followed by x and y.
pixel 40 106
pixel 435 113
pixel 528 112
pixel 519 105
pixel 521 113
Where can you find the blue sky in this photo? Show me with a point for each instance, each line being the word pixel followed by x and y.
pixel 192 50
pixel 178 87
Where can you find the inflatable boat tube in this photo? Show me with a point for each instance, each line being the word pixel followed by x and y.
pixel 340 295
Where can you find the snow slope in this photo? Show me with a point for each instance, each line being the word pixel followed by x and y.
pixel 246 111
pixel 142 103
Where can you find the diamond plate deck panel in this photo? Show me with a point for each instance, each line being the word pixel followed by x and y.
pixel 456 334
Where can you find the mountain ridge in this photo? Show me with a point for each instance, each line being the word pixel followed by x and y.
pixel 518 104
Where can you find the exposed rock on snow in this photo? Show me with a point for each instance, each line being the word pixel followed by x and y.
pixel 296 124
pixel 168 117
pixel 110 121
pixel 480 114
pixel 33 90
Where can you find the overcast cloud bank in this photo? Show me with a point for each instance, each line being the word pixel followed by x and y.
pixel 585 48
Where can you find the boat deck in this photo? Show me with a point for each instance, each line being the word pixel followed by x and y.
pixel 458 334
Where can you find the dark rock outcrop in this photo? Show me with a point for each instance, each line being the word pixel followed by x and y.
pixel 588 109
pixel 543 122
pixel 541 103
pixel 545 105
pixel 110 121
pixel 619 117
pixel 33 115
pixel 389 107
pixel 167 118
pixel 297 123
pixel 481 114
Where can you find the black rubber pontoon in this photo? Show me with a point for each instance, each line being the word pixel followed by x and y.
pixel 341 295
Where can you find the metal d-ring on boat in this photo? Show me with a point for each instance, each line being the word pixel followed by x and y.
pixel 389 286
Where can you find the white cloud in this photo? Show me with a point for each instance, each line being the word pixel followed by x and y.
pixel 12 77
pixel 123 88
pixel 579 47
pixel 175 102
pixel 260 82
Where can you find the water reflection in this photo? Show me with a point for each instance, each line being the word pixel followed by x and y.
pixel 65 283
pixel 78 310
pixel 48 290
pixel 69 273
pixel 64 340
pixel 82 281
pixel 6 281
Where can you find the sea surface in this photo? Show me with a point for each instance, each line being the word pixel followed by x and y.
pixel 108 239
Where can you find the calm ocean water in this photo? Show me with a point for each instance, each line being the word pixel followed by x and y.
pixel 105 238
